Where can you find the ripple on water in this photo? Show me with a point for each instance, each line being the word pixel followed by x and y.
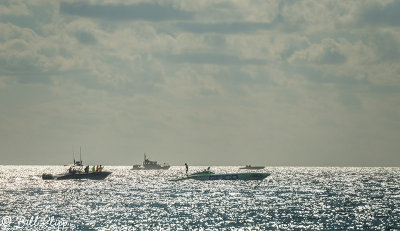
pixel 291 198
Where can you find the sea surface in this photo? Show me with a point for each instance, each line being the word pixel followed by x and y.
pixel 292 198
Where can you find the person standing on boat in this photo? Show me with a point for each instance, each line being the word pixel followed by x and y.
pixel 187 168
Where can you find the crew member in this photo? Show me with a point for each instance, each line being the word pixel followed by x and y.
pixel 187 168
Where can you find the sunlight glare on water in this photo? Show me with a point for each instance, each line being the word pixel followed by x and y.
pixel 291 198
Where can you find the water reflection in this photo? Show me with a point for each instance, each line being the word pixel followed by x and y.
pixel 291 198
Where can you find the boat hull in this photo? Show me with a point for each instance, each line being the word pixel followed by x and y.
pixel 150 165
pixel 150 168
pixel 232 176
pixel 252 167
pixel 70 176
pixel 229 176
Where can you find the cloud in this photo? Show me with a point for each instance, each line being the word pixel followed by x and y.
pixel 248 73
pixel 213 58
pixel 20 56
pixel 378 14
pixel 384 89
pixel 224 27
pixel 28 14
pixel 85 37
pixel 386 45
pixel 327 52
pixel 141 11
pixel 14 8
pixel 215 40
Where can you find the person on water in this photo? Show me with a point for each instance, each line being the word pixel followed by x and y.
pixel 100 168
pixel 93 169
pixel 87 169
pixel 187 168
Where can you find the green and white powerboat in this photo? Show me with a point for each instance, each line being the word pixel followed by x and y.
pixel 209 175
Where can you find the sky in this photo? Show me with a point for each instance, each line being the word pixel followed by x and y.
pixel 275 83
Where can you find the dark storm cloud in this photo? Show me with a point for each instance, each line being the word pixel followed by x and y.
pixel 141 11
pixel 210 58
pixel 387 15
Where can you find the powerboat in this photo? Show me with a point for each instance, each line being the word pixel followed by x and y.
pixel 72 175
pixel 252 167
pixel 209 175
pixel 78 171
pixel 150 165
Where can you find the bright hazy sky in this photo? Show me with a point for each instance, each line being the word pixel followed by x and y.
pixel 298 83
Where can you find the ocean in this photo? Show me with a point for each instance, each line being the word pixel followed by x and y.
pixel 291 198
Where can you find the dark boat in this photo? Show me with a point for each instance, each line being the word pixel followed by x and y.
pixel 150 165
pixel 77 171
pixel 77 175
pixel 252 167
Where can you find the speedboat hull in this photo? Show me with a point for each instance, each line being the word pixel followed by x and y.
pixel 71 176
pixel 252 167
pixel 232 176
pixel 229 176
